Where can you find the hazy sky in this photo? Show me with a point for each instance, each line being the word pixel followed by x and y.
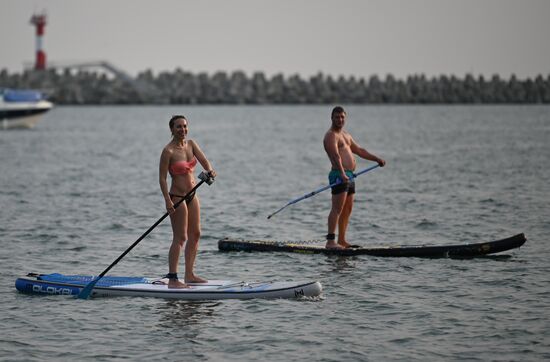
pixel 344 37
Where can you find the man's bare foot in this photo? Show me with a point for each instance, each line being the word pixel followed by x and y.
pixel 195 279
pixel 176 284
pixel 332 245
pixel 344 244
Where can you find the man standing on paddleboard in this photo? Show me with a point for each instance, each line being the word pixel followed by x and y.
pixel 179 158
pixel 340 148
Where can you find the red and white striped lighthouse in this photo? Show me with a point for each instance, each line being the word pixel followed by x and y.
pixel 39 21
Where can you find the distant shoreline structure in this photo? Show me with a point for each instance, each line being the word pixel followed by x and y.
pixel 85 87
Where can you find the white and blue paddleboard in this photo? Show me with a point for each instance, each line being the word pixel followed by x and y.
pixel 59 284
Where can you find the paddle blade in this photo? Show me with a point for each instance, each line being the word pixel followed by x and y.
pixel 87 291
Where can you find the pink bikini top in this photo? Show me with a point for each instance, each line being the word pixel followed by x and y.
pixel 182 167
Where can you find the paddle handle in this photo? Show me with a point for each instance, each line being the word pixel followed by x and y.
pixel 366 170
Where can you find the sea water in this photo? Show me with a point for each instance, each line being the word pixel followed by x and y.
pixel 82 186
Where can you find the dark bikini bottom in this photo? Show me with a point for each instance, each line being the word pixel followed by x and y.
pixel 188 199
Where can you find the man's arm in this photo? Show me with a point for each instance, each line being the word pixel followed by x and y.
pixel 363 153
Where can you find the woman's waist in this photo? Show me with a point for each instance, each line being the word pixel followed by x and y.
pixel 182 185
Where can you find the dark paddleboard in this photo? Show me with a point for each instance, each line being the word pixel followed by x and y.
pixel 422 251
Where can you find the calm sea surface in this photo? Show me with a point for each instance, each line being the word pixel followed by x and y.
pixel 82 186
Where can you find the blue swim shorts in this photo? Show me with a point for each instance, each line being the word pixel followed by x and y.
pixel 349 187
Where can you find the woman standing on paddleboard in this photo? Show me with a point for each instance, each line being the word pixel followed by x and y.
pixel 179 158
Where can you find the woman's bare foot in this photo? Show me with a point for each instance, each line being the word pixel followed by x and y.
pixel 176 284
pixel 195 279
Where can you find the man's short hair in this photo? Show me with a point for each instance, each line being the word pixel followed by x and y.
pixel 337 109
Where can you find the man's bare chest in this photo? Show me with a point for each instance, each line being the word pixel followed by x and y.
pixel 343 141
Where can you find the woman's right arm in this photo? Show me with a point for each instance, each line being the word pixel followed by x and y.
pixel 163 174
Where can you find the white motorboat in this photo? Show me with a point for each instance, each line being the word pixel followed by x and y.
pixel 21 108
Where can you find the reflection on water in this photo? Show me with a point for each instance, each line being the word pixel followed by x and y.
pixel 179 313
pixel 339 263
